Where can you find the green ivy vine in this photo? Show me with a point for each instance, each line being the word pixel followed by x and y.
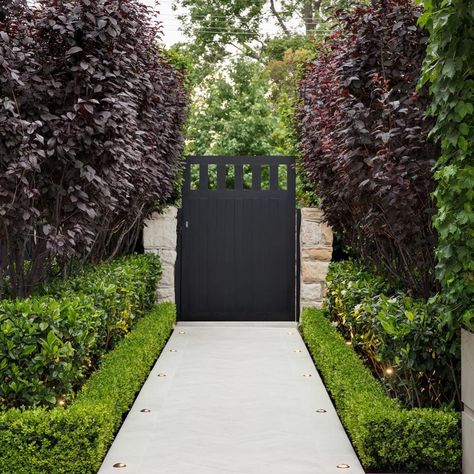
pixel 449 68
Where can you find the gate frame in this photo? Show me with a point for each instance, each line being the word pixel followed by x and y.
pixel 246 160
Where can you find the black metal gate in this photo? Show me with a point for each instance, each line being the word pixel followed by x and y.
pixel 237 239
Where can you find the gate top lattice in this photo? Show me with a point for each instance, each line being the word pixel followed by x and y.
pixel 249 174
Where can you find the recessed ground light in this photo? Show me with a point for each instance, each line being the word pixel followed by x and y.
pixel 307 375
pixel 161 375
pixel 348 343
pixel 297 350
pixel 145 410
pixel 120 464
pixel 321 410
pixel 343 466
pixel 290 333
pixel 62 402
pixel 173 350
pixel 182 332
pixel 389 371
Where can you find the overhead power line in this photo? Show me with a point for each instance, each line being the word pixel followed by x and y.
pixel 242 32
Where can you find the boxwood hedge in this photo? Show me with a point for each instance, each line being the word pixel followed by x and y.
pixel 75 439
pixel 385 435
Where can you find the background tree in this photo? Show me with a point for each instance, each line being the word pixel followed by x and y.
pixel 217 27
pixel 231 114
pixel 285 67
pixel 217 30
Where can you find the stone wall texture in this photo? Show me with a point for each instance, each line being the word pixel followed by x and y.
pixel 467 387
pixel 316 252
pixel 160 238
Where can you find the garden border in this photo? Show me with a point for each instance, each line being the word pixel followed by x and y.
pixel 74 440
pixel 385 435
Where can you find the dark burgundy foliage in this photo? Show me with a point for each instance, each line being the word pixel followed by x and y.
pixel 365 139
pixel 90 140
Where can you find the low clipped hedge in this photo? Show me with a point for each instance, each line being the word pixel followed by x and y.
pixel 50 342
pixel 75 439
pixel 385 435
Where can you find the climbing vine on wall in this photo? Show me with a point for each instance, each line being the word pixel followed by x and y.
pixel 449 68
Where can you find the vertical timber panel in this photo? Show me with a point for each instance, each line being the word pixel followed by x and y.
pixel 238 249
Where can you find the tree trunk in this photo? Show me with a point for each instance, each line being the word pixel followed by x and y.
pixel 310 14
pixel 278 18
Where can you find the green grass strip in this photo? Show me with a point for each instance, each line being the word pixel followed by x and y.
pixel 385 435
pixel 75 439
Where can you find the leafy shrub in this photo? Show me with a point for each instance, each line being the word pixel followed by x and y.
pixel 90 139
pixel 48 345
pixel 123 289
pixel 391 330
pixel 348 285
pixel 415 341
pixel 45 348
pixel 74 440
pixel 385 435
pixel 365 139
pixel 449 68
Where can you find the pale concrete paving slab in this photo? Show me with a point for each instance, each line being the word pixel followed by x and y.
pixel 234 399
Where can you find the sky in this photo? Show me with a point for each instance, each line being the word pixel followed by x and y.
pixel 170 22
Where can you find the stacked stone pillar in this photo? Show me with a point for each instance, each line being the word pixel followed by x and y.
pixel 160 237
pixel 316 252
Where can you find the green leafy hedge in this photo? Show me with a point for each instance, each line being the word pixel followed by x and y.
pixel 74 440
pixel 124 289
pixel 406 341
pixel 449 68
pixel 45 348
pixel 50 342
pixel 385 435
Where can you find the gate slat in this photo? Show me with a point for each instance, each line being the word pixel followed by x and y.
pixel 239 177
pixel 256 177
pixel 273 177
pixel 203 176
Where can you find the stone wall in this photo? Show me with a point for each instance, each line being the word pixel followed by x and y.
pixel 316 253
pixel 467 387
pixel 160 238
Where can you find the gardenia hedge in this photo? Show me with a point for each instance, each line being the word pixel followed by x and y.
pixel 51 342
pixel 406 341
pixel 74 439
pixel 387 436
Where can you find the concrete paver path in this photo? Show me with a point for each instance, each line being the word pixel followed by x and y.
pixel 235 400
